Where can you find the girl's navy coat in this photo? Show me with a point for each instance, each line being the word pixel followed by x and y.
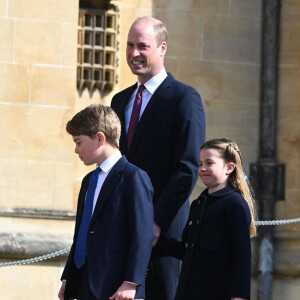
pixel 216 248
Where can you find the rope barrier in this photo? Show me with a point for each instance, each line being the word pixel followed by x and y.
pixel 277 222
pixel 66 250
pixel 35 259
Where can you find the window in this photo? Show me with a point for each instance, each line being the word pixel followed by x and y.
pixel 97 49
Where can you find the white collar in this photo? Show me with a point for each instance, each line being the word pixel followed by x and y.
pixel 110 162
pixel 153 83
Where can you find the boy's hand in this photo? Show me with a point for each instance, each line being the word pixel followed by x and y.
pixel 125 292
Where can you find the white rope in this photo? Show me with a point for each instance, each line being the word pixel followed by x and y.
pixel 66 250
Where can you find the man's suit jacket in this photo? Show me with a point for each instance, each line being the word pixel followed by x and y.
pixel 120 234
pixel 166 145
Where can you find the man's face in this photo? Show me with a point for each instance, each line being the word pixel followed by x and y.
pixel 144 56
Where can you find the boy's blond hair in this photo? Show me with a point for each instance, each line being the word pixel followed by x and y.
pixel 95 118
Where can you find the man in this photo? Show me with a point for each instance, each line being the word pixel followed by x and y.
pixel 165 143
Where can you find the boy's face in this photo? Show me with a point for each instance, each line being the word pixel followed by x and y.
pixel 87 148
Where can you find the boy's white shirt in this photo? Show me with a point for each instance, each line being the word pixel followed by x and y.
pixel 106 166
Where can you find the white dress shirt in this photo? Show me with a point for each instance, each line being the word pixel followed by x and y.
pixel 150 87
pixel 106 166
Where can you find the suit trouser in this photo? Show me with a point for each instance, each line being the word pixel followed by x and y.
pixel 162 278
pixel 83 290
pixel 163 272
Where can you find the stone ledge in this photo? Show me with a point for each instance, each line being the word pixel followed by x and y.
pixel 37 213
pixel 19 245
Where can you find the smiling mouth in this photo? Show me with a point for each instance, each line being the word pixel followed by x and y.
pixel 137 62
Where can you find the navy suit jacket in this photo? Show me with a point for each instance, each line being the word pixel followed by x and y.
pixel 166 145
pixel 120 236
pixel 216 248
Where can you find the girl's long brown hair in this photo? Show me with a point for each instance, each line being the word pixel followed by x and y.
pixel 230 152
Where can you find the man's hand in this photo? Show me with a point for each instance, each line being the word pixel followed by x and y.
pixel 125 292
pixel 62 291
pixel 156 231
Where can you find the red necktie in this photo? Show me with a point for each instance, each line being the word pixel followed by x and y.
pixel 134 119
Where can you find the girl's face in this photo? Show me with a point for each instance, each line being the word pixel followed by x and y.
pixel 213 170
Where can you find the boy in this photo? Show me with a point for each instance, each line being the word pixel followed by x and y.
pixel 114 222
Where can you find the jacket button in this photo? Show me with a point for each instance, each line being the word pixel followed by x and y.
pixel 186 245
pixel 92 231
pixel 190 222
pixel 197 221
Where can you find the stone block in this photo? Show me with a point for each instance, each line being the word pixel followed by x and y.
pixel 234 39
pixel 184 37
pixel 7 39
pixel 245 8
pixel 52 10
pixel 3 8
pixel 217 81
pixel 14 83
pixel 63 187
pixel 38 227
pixel 289 90
pixel 69 45
pixel 38 42
pixel 290 7
pixel 286 288
pixel 39 185
pixel 288 209
pixel 53 86
pixel 34 182
pixel 200 6
pixel 289 39
pixel 239 122
pixel 35 133
pixel 287 255
pixel 37 281
pixel 289 143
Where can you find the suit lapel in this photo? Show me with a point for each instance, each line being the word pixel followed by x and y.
pixel 108 187
pixel 121 113
pixel 81 202
pixel 156 99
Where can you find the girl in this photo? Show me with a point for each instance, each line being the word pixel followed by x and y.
pixel 216 248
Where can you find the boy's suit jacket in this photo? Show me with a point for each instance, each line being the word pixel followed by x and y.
pixel 166 145
pixel 120 235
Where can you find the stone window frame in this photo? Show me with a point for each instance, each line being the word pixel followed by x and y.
pixel 97 49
